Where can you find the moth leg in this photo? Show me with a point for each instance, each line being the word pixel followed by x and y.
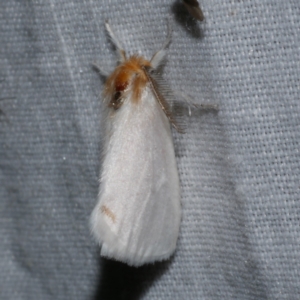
pixel 104 73
pixel 191 104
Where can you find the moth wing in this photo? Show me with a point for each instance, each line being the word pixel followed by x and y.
pixel 138 213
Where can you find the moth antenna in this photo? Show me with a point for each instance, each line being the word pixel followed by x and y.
pixel 169 35
pixel 115 41
pixel 160 55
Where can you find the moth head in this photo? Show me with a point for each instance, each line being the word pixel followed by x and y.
pixel 127 80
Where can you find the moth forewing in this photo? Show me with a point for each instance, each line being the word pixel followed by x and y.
pixel 138 214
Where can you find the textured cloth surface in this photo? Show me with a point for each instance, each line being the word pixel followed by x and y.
pixel 239 168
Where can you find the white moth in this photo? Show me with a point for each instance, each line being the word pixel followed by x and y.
pixel 137 216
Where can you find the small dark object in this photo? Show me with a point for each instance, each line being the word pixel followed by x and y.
pixel 194 9
pixel 117 100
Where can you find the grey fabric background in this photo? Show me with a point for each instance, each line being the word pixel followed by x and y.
pixel 239 168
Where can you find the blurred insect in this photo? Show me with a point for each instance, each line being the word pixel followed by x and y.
pixel 194 9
